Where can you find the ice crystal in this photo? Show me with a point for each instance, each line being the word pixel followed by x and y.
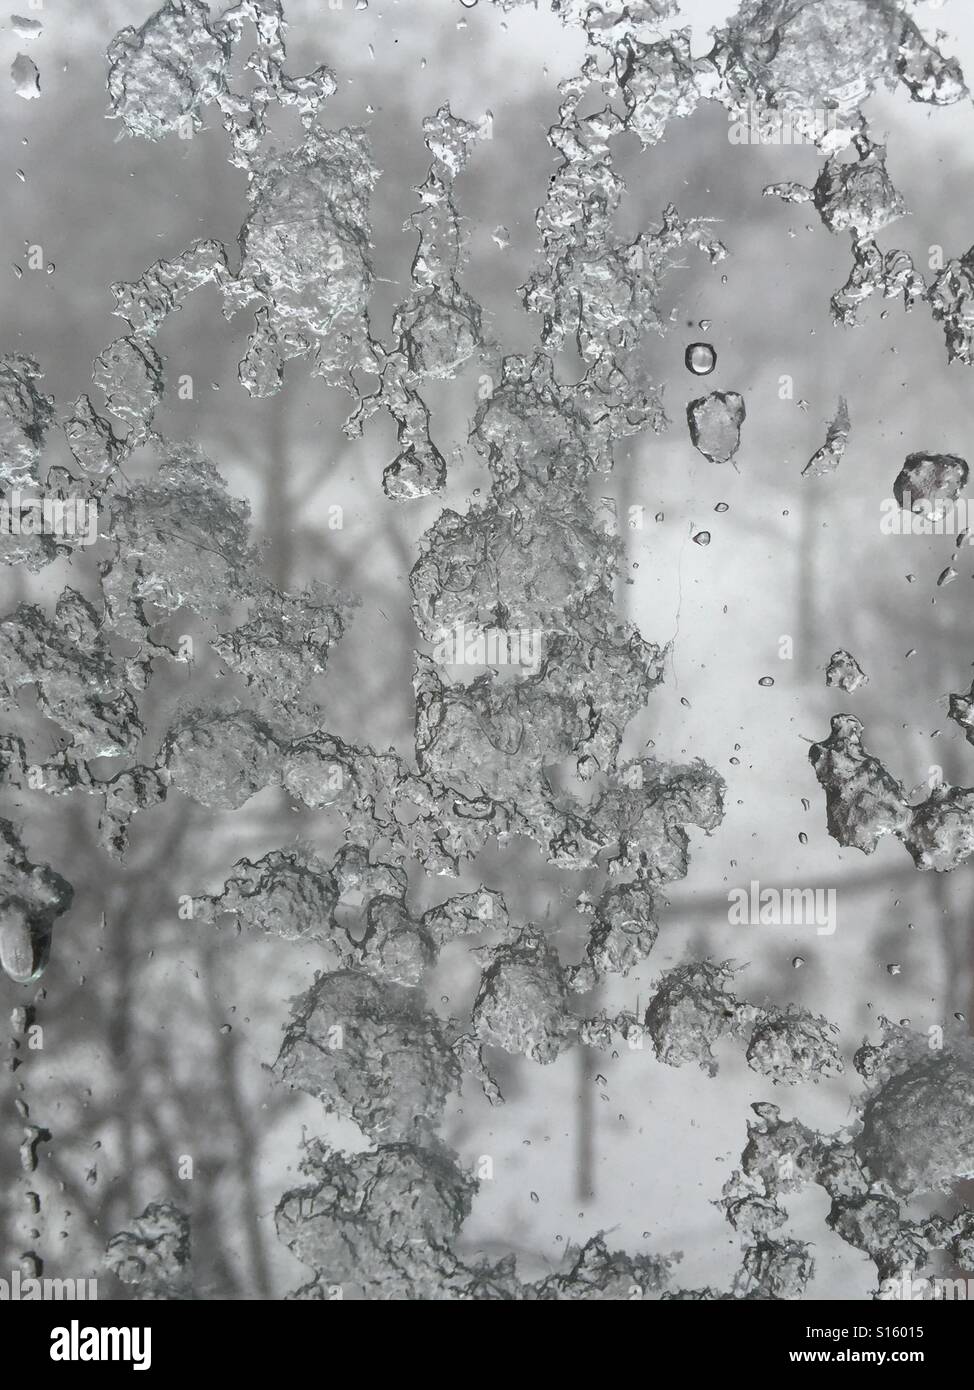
pixel 845 672
pixel 927 482
pixel 154 1256
pixel 381 1223
pixel 864 803
pixel 369 1051
pixel 828 458
pixel 25 417
pixel 715 425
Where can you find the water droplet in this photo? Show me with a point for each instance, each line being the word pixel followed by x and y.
pixel 700 359
pixel 766 681
pixel 894 969
pixel 23 955
pixel 802 838
pixel 722 507
pixel 798 962
pixel 702 538
pixel 25 77
pixel 535 1197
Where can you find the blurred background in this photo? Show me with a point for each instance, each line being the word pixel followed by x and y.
pixel 157 1032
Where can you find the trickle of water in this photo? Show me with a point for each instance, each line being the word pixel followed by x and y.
pixel 700 358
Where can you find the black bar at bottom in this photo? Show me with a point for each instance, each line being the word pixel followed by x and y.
pixel 68 1339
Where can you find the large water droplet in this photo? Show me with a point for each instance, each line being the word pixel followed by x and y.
pixel 700 359
pixel 23 954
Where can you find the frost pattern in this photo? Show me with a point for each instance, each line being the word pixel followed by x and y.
pixel 493 757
